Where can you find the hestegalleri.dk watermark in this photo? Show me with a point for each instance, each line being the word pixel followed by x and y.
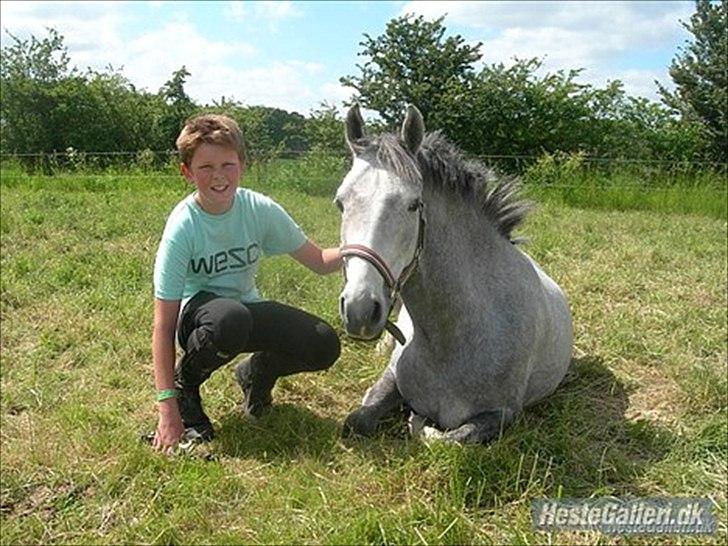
pixel 623 516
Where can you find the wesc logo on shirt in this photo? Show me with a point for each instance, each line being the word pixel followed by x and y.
pixel 233 258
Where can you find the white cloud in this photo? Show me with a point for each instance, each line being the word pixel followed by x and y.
pixel 569 34
pixel 635 21
pixel 84 25
pixel 554 43
pixel 290 85
pixel 271 12
pixel 150 59
pixel 282 9
pixel 637 82
pixel 337 94
pixel 95 35
pixel 236 11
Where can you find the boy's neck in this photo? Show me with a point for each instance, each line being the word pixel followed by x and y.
pixel 211 209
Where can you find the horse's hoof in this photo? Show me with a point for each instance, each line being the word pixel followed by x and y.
pixel 431 434
pixel 357 424
pixel 415 424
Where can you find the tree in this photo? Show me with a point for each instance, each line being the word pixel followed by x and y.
pixel 514 111
pixel 179 106
pixel 324 129
pixel 700 73
pixel 411 62
pixel 46 106
pixel 29 72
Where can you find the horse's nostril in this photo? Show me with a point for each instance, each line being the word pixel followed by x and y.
pixel 376 312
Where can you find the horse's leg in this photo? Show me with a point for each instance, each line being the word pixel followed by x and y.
pixel 480 429
pixel 382 398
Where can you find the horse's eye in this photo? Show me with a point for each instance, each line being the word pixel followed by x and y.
pixel 416 204
pixel 339 205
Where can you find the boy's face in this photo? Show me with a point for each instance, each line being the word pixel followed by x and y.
pixel 215 171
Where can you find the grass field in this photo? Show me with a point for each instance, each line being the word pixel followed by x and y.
pixel 645 415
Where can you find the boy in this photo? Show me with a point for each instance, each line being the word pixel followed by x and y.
pixel 205 267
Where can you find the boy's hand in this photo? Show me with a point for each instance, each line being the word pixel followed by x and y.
pixel 170 428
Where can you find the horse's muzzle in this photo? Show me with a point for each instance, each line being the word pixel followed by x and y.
pixel 363 315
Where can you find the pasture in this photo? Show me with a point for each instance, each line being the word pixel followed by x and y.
pixel 645 413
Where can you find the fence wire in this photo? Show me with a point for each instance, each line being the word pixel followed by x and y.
pixel 75 155
pixel 559 170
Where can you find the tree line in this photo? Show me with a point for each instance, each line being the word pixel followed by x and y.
pixel 517 110
pixel 47 106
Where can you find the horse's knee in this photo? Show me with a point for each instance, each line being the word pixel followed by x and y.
pixel 359 423
pixel 483 428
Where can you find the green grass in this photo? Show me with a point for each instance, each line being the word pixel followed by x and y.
pixel 703 200
pixel 644 415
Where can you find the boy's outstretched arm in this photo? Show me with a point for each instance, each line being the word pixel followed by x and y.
pixel 170 427
pixel 318 260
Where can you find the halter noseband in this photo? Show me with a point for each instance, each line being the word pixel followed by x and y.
pixel 394 285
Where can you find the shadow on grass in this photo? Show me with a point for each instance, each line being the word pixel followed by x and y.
pixel 577 442
pixel 283 432
pixel 584 429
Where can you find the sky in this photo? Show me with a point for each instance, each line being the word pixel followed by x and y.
pixel 291 54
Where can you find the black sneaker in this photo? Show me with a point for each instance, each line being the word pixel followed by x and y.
pixel 255 386
pixel 193 416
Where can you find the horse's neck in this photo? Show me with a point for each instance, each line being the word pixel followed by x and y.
pixel 461 263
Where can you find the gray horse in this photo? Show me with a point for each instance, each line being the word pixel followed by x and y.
pixel 485 330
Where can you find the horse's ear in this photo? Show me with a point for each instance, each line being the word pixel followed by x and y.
pixel 413 129
pixel 354 127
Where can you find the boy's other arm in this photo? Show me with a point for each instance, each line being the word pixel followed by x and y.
pixel 163 353
pixel 318 260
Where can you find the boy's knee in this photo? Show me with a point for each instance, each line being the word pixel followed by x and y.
pixel 327 347
pixel 232 326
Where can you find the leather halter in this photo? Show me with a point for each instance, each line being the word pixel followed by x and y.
pixel 394 285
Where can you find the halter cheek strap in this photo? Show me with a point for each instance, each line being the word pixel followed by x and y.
pixel 394 285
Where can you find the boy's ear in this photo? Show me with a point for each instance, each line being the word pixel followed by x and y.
pixel 185 171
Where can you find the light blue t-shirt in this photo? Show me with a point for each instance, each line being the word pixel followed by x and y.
pixel 220 253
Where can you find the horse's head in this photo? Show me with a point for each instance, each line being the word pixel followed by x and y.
pixel 381 220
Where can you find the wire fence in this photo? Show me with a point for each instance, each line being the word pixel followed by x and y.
pixel 71 155
pixel 558 170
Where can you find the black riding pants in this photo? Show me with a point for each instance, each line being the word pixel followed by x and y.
pixel 213 329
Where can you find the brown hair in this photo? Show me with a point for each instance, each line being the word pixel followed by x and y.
pixel 210 129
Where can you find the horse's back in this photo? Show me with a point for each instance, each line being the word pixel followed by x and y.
pixel 553 356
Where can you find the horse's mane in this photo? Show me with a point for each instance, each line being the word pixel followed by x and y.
pixel 442 166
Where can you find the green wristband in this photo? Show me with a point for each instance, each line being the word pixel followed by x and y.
pixel 166 394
